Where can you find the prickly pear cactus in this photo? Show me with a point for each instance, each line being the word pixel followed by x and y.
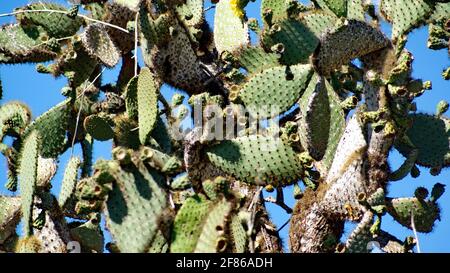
pixel 313 94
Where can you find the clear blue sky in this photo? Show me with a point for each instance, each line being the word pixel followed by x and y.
pixel 40 92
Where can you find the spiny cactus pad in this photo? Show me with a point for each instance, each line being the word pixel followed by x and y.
pixel 14 116
pixel 27 177
pixel 278 86
pixel 298 40
pixel 257 159
pixel 69 181
pixel 226 23
pixel 137 197
pixel 9 216
pixel 98 127
pixel 321 119
pixel 405 14
pixel 192 214
pixel 98 44
pixel 212 238
pixel 428 134
pixel 350 39
pixel 19 44
pixel 52 126
pixel 57 25
pixel 147 97
pixel 425 212
pixel 255 59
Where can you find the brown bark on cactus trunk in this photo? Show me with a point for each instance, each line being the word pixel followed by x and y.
pixel 317 224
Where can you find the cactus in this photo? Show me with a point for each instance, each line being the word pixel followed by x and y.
pixel 228 22
pixel 57 25
pixel 280 86
pixel 98 127
pixel 98 44
pixel 28 176
pixel 295 104
pixel 69 181
pixel 428 135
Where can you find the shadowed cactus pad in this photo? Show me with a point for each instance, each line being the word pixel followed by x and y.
pixel 136 197
pixel 425 212
pixel 98 127
pixel 348 40
pixel 428 134
pixel 19 44
pixel 257 159
pixel 298 40
pixel 192 214
pixel 57 25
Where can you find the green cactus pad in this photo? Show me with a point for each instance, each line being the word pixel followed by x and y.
pixel 98 44
pixel 125 133
pixel 191 13
pixel 131 103
pixel 429 134
pixel 181 183
pixel 9 216
pixel 161 134
pixel 255 59
pixel 90 236
pixel 321 113
pixel 27 177
pixel 14 116
pixel 153 32
pixel 278 8
pixel 238 234
pixel 52 126
pixel 318 21
pixel 147 97
pixel 441 11
pixel 134 207
pixel 57 25
pixel 257 159
pixel 298 40
pixel 338 7
pixel 351 39
pixel 212 238
pixel 405 14
pixel 230 31
pixel 355 10
pixel 76 64
pixel 189 218
pixel 159 244
pixel 20 44
pixel 361 235
pixel 425 212
pixel 276 86
pixel 98 127
pixel 69 181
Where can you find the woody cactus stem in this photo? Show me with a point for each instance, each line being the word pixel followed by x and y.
pixel 170 190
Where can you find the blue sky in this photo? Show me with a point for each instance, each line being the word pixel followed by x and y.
pixel 40 92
